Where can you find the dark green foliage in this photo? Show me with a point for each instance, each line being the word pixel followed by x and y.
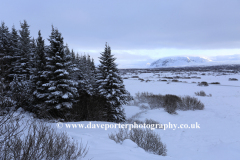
pixel 89 107
pixel 14 53
pixel 110 85
pixel 40 76
pixel 60 88
pixel 22 66
pixel 171 103
pixel 52 82
pixel 5 52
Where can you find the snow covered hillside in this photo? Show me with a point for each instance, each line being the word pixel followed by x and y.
pixel 179 61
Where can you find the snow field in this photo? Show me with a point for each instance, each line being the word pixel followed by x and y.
pixel 217 138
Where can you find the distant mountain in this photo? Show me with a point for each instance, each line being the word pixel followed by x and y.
pixel 179 61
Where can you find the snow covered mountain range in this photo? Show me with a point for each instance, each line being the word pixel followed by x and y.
pixel 179 61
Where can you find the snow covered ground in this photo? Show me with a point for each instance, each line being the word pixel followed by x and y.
pixel 217 138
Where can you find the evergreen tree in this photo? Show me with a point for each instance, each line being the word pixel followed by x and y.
pixel 22 65
pixel 14 52
pixel 40 91
pixel 5 51
pixel 33 59
pixel 59 85
pixel 110 86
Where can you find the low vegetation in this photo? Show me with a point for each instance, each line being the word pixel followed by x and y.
pixel 203 83
pixel 233 79
pixel 134 77
pixel 215 83
pixel 35 140
pixel 170 103
pixel 144 138
pixel 202 93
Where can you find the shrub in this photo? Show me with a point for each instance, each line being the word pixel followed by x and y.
pixel 154 101
pixel 203 83
pixel 144 138
pixel 144 106
pixel 191 103
pixel 215 83
pixel 171 103
pixel 233 79
pixel 201 93
pixel 175 80
pixel 168 77
pixel 40 142
pixel 135 77
pixel 186 77
pixel 196 77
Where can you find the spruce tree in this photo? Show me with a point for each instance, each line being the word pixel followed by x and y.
pixel 40 78
pixel 22 65
pixel 32 59
pixel 5 51
pixel 110 86
pixel 59 85
pixel 14 52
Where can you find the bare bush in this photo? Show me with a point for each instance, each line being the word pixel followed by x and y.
pixel 40 142
pixel 201 93
pixel 134 77
pixel 144 106
pixel 170 103
pixel 141 79
pixel 215 83
pixel 191 103
pixel 203 83
pixel 144 138
pixel 154 101
pixel 233 79
pixel 196 77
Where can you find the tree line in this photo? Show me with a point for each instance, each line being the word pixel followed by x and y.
pixel 54 82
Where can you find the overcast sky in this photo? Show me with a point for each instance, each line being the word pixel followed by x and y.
pixel 138 31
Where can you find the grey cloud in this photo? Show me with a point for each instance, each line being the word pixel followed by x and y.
pixel 132 24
